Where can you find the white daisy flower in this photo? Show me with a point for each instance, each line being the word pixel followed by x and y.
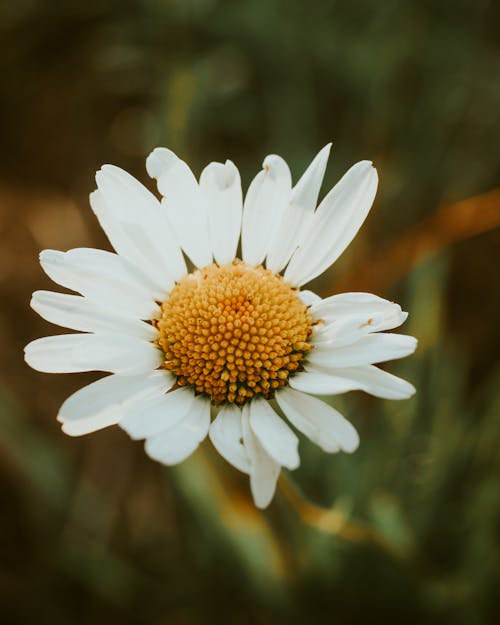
pixel 232 348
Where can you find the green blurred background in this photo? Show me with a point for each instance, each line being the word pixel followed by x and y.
pixel 407 529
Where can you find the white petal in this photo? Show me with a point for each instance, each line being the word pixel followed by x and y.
pixel 71 353
pixel 347 317
pixel 137 225
pixel 110 223
pixel 296 218
pixel 54 354
pixel 393 320
pixel 103 402
pixel 265 203
pixel 274 434
pixel 148 418
pixel 345 304
pixel 264 471
pixel 308 298
pixel 159 161
pixel 379 382
pixel 366 378
pixel 221 188
pixel 78 313
pixel 184 203
pixel 367 350
pixel 324 425
pixel 179 442
pixel 104 278
pixel 118 354
pixel 91 424
pixel 307 189
pixel 334 224
pixel 320 382
pixel 226 434
pixel 345 330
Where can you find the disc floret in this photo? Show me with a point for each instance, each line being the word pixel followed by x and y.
pixel 233 332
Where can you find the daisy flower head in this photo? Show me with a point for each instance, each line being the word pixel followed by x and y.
pixel 200 319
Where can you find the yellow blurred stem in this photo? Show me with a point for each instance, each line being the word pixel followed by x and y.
pixel 331 520
pixel 450 224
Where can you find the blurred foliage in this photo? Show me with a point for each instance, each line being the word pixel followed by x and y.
pixel 405 530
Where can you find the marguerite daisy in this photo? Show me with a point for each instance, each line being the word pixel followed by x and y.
pixel 232 347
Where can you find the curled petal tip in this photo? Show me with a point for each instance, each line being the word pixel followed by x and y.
pixel 275 166
pixel 159 161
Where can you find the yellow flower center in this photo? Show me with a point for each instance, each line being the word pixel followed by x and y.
pixel 233 332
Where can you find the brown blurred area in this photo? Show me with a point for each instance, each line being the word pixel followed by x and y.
pixel 92 530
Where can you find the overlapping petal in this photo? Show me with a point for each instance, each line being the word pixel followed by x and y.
pixel 104 402
pixel 265 203
pixel 368 378
pixel 220 185
pixel 334 224
pixel 79 313
pixel 226 434
pixel 324 425
pixel 137 225
pixel 345 330
pixel 158 414
pixel 185 205
pixel 178 442
pixel 264 470
pixel 346 317
pixel 75 353
pixel 104 278
pixel 273 434
pixel 296 217
pixel 368 305
pixel 365 351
